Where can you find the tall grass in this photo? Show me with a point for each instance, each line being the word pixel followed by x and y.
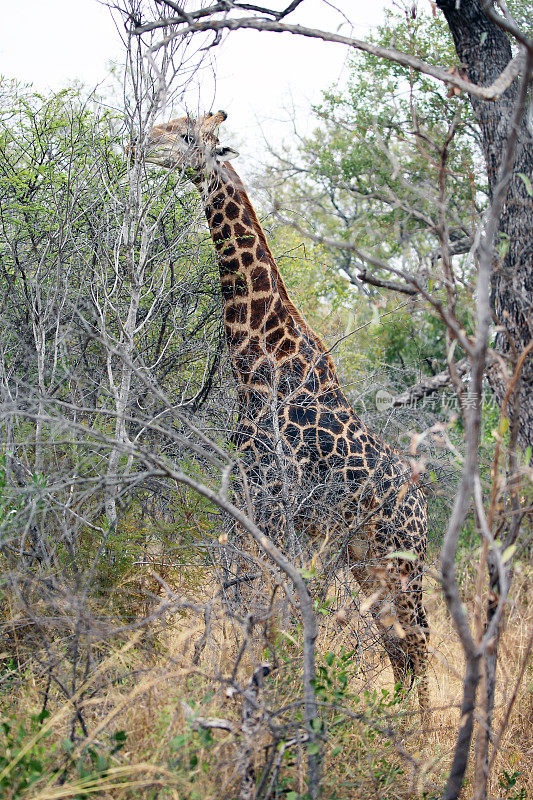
pixel 143 742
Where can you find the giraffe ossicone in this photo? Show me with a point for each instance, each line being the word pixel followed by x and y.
pixel 291 405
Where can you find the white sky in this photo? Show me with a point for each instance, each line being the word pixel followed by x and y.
pixel 265 81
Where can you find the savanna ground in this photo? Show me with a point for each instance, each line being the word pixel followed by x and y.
pixel 145 692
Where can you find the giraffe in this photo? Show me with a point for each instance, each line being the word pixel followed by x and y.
pixel 280 363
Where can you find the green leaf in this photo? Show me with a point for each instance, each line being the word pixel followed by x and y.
pixel 102 763
pixel 503 244
pixel 374 324
pixel 289 638
pixel 527 183
pixel 504 426
pixel 527 455
pixel 177 742
pixel 508 553
pixel 405 555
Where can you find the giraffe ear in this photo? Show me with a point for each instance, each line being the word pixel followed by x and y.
pixel 226 153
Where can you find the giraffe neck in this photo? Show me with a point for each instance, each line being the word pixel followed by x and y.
pixel 261 322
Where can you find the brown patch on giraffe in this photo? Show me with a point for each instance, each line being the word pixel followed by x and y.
pixel 232 266
pixel 260 280
pixel 255 345
pixel 232 210
pixel 236 313
pixel 261 373
pixel 298 366
pixel 245 216
pixel 330 422
pixel 271 322
pixel 230 314
pixel 258 309
pixel 260 253
pixel 240 286
pixel 236 337
pixel 292 328
pixel 274 337
pixel 287 347
pixel 218 200
pixel 341 447
pixel 244 242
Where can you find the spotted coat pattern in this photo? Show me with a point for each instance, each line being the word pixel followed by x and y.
pixel 290 397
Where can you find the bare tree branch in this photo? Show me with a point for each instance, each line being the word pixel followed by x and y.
pixel 365 277
pixel 473 653
pixel 492 92
pixel 430 385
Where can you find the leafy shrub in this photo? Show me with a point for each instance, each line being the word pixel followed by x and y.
pixel 25 755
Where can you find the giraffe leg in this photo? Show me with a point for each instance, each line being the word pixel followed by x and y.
pixel 411 656
pixel 406 647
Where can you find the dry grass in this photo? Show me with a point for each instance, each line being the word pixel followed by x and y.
pixel 163 758
pixel 515 753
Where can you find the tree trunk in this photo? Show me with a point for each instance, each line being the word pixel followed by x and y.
pixel 484 51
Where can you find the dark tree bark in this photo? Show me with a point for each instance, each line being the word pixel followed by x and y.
pixel 485 50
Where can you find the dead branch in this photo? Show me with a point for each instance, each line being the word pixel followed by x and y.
pixel 392 286
pixel 492 92
pixel 430 385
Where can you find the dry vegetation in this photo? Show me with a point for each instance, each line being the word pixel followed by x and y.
pixel 149 688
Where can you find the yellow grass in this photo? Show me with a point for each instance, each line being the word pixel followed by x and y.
pixel 153 705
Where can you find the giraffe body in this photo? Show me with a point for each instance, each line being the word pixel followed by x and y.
pixel 292 406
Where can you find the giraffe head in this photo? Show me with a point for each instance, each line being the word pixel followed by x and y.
pixel 189 144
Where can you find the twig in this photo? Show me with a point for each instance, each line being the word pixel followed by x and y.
pixel 492 92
